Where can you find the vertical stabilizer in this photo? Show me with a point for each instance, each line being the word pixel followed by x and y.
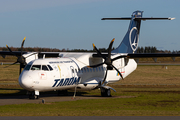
pixel 130 41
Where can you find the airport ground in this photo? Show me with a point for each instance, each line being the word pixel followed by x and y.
pixel 151 90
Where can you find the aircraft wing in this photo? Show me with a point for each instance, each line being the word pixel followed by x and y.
pixel 78 54
pixel 151 55
pixel 142 55
pixel 154 56
pixel 4 53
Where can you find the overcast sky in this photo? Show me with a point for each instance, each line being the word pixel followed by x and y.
pixel 76 24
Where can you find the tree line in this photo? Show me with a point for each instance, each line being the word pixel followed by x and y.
pixel 146 49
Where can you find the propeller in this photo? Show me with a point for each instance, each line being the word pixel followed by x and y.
pixel 20 59
pixel 107 60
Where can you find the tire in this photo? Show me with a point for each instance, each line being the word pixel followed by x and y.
pixel 108 93
pixel 105 92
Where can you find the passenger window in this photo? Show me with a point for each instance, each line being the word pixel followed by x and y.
pixel 36 67
pixel 27 67
pixel 44 67
pixel 50 68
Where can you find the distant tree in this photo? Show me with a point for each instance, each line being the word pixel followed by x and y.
pixel 146 49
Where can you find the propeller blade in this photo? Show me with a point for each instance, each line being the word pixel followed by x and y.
pixel 93 66
pixel 11 64
pixel 104 78
pixel 11 51
pixel 20 68
pixel 98 52
pixel 110 48
pixel 22 45
pixel 118 71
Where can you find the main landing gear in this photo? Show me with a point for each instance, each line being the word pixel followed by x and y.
pixel 105 92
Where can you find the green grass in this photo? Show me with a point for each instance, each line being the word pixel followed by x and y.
pixel 154 75
pixel 10 73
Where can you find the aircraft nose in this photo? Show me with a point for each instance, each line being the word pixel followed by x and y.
pixel 25 82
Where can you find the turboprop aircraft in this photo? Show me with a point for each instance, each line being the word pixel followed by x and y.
pixel 82 71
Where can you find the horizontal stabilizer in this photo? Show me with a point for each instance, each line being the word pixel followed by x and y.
pixel 128 18
pixel 169 18
pixel 138 18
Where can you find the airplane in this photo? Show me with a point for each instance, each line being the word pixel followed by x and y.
pixel 63 71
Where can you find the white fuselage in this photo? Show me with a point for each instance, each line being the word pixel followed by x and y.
pixel 67 73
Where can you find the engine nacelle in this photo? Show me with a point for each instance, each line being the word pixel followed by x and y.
pixel 119 63
pixel 30 56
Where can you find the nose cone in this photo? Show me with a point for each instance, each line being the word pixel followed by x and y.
pixel 25 81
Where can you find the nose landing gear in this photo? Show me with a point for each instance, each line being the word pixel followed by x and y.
pixel 34 95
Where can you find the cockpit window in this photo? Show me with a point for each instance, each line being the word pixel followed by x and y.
pixel 44 67
pixel 50 68
pixel 36 67
pixel 27 67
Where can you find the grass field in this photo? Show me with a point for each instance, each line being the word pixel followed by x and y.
pixel 154 90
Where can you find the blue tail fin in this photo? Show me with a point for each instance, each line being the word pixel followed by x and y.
pixel 130 42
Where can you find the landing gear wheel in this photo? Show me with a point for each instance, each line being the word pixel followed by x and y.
pixel 105 92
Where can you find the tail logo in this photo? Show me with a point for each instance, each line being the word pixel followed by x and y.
pixel 133 38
